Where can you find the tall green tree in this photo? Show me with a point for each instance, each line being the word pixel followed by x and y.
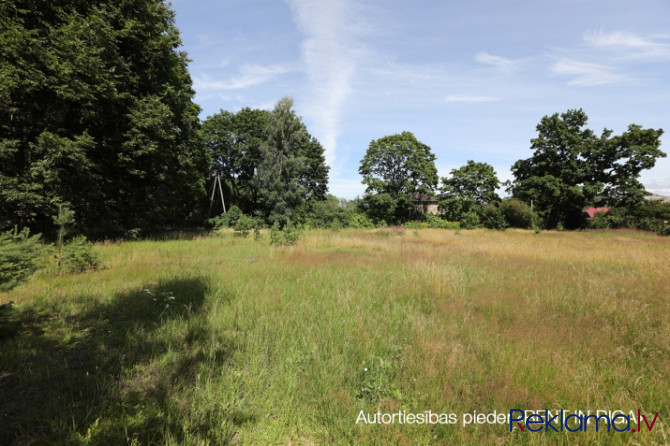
pixel 96 111
pixel 395 168
pixel 572 168
pixel 234 142
pixel 292 170
pixel 470 188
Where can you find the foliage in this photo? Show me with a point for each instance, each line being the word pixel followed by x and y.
pixel 572 168
pixel 650 215
pixel 286 236
pixel 64 220
pixel 79 255
pixel 19 255
pixel 227 219
pixel 492 217
pixel 470 220
pixel 292 170
pixel 517 213
pixel 395 169
pixel 332 213
pixel 96 111
pixel 361 221
pixel 234 142
pixel 244 225
pixel 470 189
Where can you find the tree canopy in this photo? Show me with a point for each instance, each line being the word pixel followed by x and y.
pixel 96 112
pixel 395 169
pixel 271 165
pixel 572 168
pixel 470 188
pixel 234 141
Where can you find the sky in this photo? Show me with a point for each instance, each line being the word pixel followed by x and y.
pixel 471 79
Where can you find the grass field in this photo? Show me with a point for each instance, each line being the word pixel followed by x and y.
pixel 223 340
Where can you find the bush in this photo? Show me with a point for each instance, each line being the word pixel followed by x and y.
pixel 469 220
pixel 19 255
pixel 287 236
pixel 435 222
pixel 493 218
pixel 516 213
pixel 79 255
pixel 361 221
pixel 243 225
pixel 227 219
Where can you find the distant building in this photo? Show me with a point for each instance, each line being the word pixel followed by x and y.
pixel 592 212
pixel 426 204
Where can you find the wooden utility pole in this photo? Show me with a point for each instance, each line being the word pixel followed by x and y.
pixel 216 184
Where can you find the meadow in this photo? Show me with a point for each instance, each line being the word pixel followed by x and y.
pixel 218 339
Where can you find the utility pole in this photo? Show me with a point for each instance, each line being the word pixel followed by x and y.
pixel 216 184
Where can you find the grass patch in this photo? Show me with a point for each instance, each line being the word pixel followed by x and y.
pixel 228 340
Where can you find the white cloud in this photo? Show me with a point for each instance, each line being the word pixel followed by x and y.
pixel 584 74
pixel 469 99
pixel 628 44
pixel 501 63
pixel 346 187
pixel 327 51
pixel 248 76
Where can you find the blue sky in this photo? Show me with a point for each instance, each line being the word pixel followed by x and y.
pixel 471 79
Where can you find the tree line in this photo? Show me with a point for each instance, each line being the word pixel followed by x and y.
pixel 97 115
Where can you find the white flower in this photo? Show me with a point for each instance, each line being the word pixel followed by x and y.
pixel 365 369
pixel 171 297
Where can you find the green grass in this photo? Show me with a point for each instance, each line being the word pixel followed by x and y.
pixel 224 340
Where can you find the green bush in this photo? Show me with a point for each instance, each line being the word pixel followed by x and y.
pixel 244 225
pixel 19 255
pixel 79 255
pixel 227 219
pixel 493 218
pixel 516 213
pixel 361 221
pixel 287 236
pixel 470 220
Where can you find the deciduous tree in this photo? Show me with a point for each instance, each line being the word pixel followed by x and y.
pixel 395 168
pixel 572 168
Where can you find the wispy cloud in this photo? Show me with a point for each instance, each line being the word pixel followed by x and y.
pixel 469 99
pixel 327 50
pixel 501 63
pixel 584 74
pixel 249 76
pixel 628 44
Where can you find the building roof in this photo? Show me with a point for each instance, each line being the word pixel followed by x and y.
pixel 591 212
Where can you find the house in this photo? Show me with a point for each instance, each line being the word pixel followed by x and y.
pixel 426 204
pixel 592 212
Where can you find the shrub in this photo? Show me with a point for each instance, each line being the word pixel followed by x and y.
pixel 435 222
pixel 243 225
pixel 493 218
pixel 469 220
pixel 361 221
pixel 227 219
pixel 517 213
pixel 79 255
pixel 19 254
pixel 287 236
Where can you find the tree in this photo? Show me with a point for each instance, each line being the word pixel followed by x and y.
pixel 470 189
pixel 572 168
pixel 96 112
pixel 234 142
pixel 293 170
pixel 395 168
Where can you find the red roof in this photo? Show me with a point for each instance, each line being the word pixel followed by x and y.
pixel 593 211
